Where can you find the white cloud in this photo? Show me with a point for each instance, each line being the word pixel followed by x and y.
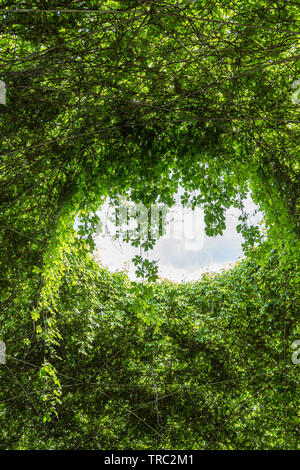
pixel 183 255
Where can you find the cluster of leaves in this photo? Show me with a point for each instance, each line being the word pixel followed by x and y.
pixel 202 365
pixel 141 96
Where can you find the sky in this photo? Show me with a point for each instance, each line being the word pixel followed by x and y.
pixel 184 253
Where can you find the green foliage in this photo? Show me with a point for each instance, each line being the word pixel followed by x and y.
pixel 139 98
pixel 161 365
